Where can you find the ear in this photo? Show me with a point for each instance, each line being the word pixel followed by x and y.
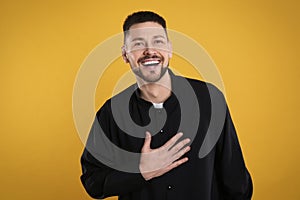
pixel 124 55
pixel 170 53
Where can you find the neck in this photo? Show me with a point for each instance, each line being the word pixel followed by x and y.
pixel 157 92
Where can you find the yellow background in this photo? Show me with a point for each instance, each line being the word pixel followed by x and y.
pixel 255 45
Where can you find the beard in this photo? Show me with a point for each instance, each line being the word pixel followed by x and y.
pixel 152 76
pixel 152 72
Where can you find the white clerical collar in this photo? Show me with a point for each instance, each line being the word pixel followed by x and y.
pixel 158 105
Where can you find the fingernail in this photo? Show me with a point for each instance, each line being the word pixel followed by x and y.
pixel 147 134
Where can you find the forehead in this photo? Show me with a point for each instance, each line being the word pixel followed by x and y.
pixel 145 30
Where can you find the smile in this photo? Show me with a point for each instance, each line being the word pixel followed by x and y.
pixel 150 63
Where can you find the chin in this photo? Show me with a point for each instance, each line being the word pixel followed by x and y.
pixel 152 78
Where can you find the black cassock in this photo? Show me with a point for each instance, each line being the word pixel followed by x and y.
pixel 218 174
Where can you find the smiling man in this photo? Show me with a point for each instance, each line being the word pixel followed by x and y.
pixel 148 51
pixel 166 163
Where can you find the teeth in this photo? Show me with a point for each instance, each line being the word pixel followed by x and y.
pixel 152 62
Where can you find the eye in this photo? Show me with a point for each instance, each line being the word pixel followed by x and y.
pixel 138 44
pixel 159 42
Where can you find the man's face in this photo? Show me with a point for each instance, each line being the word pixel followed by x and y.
pixel 147 50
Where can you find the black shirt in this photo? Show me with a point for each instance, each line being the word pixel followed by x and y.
pixel 219 174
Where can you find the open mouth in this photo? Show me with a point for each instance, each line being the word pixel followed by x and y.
pixel 148 63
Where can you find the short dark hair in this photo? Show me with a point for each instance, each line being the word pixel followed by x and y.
pixel 143 16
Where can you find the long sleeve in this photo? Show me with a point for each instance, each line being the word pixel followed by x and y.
pixel 101 181
pixel 98 179
pixel 234 177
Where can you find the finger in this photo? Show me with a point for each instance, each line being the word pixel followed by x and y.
pixel 176 164
pixel 179 146
pixel 147 142
pixel 172 141
pixel 181 153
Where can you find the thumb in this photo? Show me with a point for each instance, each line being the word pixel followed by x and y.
pixel 147 142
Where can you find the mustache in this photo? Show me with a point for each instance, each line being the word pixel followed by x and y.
pixel 149 57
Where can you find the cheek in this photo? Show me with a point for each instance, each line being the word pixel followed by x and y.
pixel 133 57
pixel 166 57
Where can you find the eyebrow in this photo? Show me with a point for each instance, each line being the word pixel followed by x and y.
pixel 154 37
pixel 138 38
pixel 159 36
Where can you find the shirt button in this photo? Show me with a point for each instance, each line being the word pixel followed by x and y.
pixel 169 187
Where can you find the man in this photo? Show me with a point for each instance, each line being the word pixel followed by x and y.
pixel 163 160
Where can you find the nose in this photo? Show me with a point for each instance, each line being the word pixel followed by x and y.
pixel 149 51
